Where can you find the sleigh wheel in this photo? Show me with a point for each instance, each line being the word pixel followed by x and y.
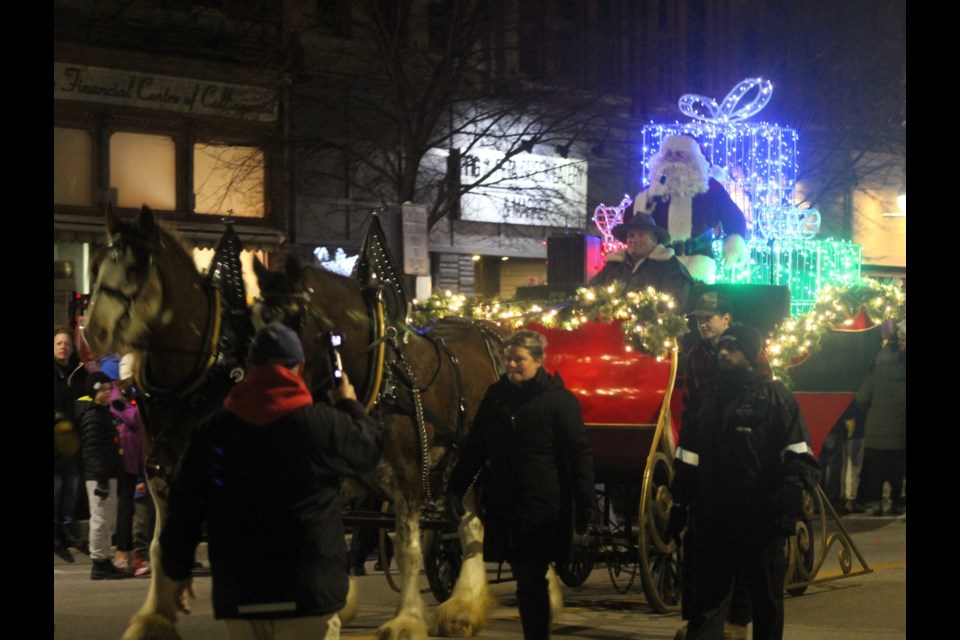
pixel 575 570
pixel 442 561
pixel 660 558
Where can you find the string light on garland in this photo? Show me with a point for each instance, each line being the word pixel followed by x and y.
pixel 836 305
pixel 652 322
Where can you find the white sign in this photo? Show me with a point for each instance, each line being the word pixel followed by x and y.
pixel 526 189
pixel 149 91
pixel 416 256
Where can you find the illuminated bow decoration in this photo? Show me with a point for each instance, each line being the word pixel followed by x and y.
pixel 730 110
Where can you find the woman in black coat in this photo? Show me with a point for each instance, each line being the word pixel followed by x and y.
pixel 539 484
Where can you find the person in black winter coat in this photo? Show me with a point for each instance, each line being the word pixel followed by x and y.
pixel 539 481
pixel 743 462
pixel 102 466
pixel 69 378
pixel 263 473
pixel 646 261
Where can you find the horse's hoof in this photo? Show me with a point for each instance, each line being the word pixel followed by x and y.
pixel 459 618
pixel 151 626
pixel 403 627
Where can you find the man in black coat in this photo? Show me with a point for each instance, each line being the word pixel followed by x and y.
pixel 743 462
pixel 264 474
pixel 69 378
pixel 646 261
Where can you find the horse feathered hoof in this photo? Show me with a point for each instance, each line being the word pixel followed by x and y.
pixel 403 627
pixel 151 626
pixel 461 617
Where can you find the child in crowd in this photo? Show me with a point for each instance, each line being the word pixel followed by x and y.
pixel 102 466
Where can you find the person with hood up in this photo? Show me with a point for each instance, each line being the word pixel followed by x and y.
pixel 263 473
pixel 539 486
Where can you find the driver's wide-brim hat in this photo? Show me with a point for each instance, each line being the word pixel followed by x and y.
pixel 640 222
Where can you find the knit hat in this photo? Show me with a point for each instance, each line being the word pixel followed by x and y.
pixel 275 344
pixel 96 380
pixel 746 339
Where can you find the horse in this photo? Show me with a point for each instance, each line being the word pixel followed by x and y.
pixel 147 297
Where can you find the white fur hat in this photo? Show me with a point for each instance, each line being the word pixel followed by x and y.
pixel 685 144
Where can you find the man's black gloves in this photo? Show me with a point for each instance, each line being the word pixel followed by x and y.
pixel 454 506
pixel 676 523
pixel 791 508
pixel 102 490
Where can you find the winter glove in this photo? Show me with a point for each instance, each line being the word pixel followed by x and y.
pixel 454 506
pixel 676 523
pixel 791 508
pixel 791 500
pixel 65 439
pixel 102 490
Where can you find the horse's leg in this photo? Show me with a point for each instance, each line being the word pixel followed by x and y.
pixel 464 614
pixel 556 594
pixel 409 623
pixel 156 617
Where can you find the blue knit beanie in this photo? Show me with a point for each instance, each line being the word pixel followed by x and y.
pixel 275 344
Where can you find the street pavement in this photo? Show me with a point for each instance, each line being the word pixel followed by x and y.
pixel 870 606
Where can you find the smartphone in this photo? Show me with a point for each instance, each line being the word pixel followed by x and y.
pixel 333 342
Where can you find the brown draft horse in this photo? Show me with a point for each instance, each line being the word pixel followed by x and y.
pixel 148 297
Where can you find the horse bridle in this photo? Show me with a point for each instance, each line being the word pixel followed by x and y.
pixel 117 245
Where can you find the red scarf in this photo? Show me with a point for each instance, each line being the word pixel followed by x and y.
pixel 266 394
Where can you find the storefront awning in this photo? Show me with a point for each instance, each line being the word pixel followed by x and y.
pixel 200 235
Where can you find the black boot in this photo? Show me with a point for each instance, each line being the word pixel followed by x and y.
pixel 104 570
pixel 59 548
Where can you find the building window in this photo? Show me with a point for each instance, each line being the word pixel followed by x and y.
pixel 72 167
pixel 143 171
pixel 228 179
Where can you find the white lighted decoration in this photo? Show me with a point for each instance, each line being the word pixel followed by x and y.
pixel 781 223
pixel 731 109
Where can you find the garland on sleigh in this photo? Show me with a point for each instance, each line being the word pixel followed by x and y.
pixel 836 306
pixel 653 323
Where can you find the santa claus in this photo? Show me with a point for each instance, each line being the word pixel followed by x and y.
pixel 693 207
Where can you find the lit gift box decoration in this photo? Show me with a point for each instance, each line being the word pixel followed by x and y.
pixel 757 164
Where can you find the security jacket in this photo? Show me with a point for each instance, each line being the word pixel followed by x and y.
pixel 744 457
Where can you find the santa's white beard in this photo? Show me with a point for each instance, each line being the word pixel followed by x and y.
pixel 682 179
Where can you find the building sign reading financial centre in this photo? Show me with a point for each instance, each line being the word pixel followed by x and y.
pixel 150 91
pixel 526 189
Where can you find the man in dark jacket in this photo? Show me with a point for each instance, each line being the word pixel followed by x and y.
pixel 539 484
pixel 69 378
pixel 646 261
pixel 264 473
pixel 742 464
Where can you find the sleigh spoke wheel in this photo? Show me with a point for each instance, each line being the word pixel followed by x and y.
pixel 659 556
pixel 442 557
